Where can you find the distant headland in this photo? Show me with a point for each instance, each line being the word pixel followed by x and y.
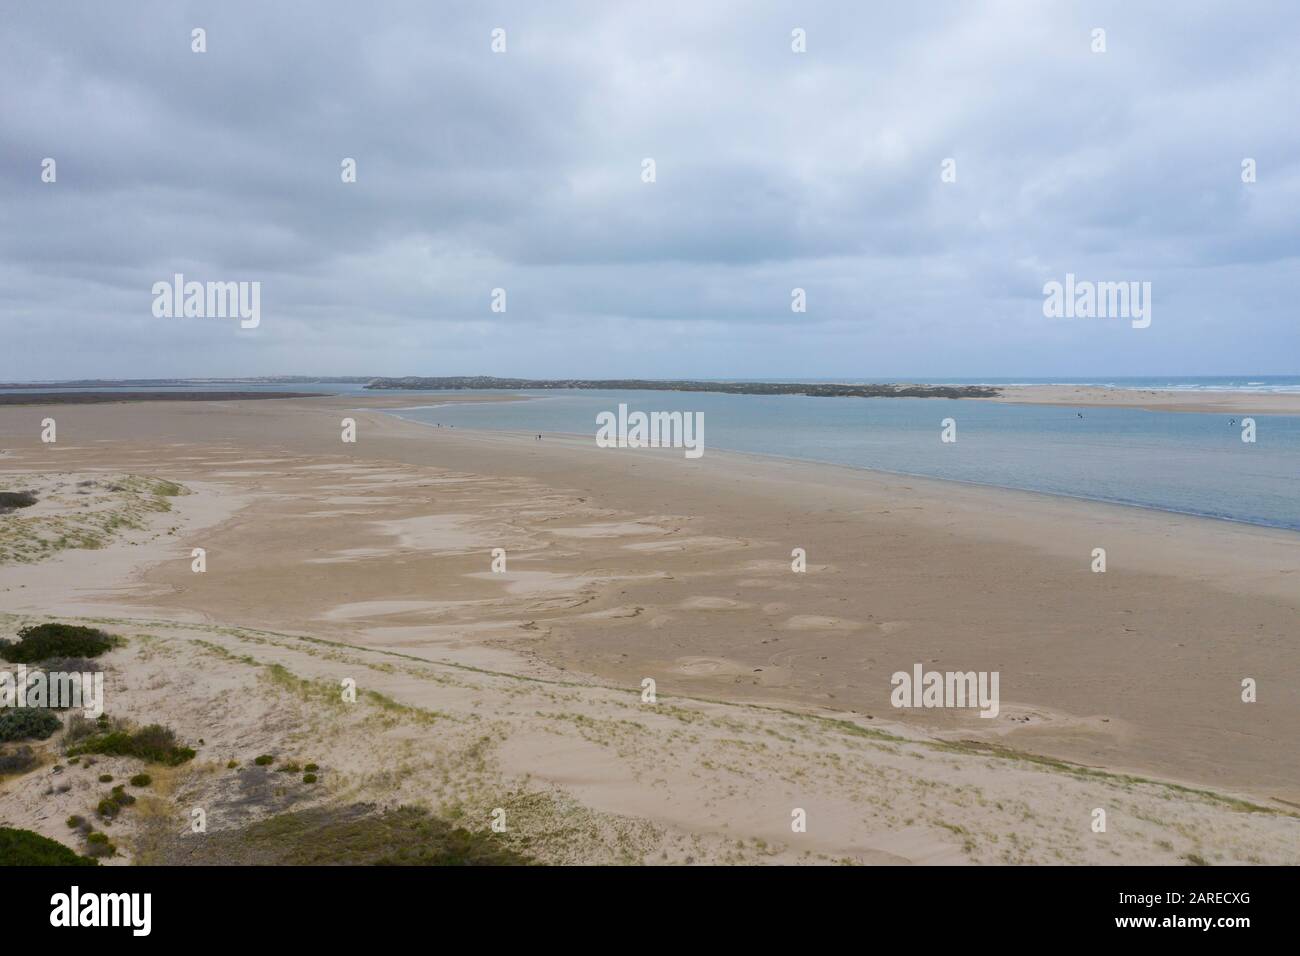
pixel 819 390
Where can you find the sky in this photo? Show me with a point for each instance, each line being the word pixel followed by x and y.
pixel 524 170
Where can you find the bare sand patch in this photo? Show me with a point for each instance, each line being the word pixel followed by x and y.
pixel 819 622
pixel 437 533
pixel 607 529
pixel 711 603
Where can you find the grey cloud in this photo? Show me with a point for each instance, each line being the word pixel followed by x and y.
pixel 775 170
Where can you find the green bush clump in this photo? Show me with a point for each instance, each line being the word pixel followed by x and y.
pixel 141 780
pixel 113 804
pixel 309 778
pixel 19 760
pixel 13 500
pixel 97 845
pixel 25 848
pixel 27 723
pixel 263 760
pixel 105 778
pixel 79 728
pixel 75 821
pixel 155 743
pixel 43 641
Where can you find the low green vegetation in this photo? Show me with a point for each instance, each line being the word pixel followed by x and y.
pixel 141 780
pixel 154 744
pixel 98 845
pixel 13 500
pixel 25 848
pixel 17 760
pixel 27 723
pixel 44 641
pixel 114 803
pixel 358 835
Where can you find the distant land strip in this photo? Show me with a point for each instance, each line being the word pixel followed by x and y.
pixel 822 390
pixel 97 398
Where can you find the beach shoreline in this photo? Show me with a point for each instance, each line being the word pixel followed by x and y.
pixel 631 564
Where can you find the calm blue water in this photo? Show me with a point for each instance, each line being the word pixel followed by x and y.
pixel 1179 462
pixel 1182 462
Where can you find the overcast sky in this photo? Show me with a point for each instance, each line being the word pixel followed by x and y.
pixel 523 170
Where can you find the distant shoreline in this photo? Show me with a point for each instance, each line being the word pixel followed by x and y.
pixel 99 398
pixel 1218 400
pixel 815 389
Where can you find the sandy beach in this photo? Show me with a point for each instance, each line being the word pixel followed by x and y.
pixel 522 689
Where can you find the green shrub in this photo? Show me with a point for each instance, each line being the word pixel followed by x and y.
pixel 75 821
pixel 311 768
pixel 79 728
pixel 105 778
pixel 141 780
pixel 42 641
pixel 155 744
pixel 25 848
pixel 309 778
pixel 27 723
pixel 263 760
pixel 97 845
pixel 232 764
pixel 19 760
pixel 13 500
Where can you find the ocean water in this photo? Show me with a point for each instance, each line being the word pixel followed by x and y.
pixel 1181 462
